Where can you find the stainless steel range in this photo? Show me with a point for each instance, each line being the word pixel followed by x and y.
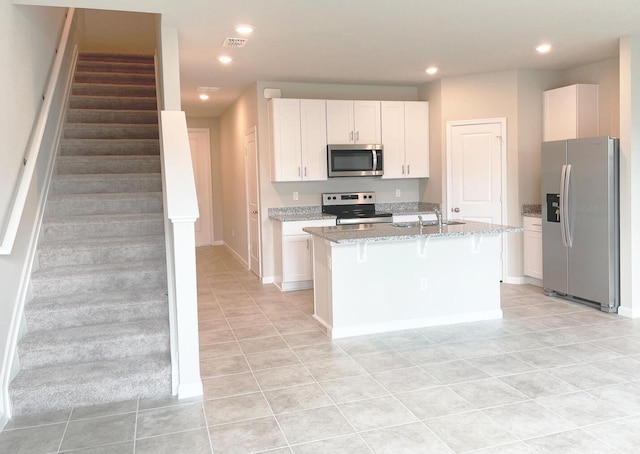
pixel 353 208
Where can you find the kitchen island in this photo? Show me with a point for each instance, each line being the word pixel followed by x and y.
pixel 386 277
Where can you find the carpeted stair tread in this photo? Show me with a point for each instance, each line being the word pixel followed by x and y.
pixel 93 342
pixel 136 67
pixel 108 164
pixel 95 251
pixel 104 89
pixel 115 57
pixel 97 270
pixel 105 183
pixel 86 309
pixel 110 147
pixel 114 78
pixel 112 102
pixel 110 131
pixel 77 385
pixel 103 226
pixel 60 205
pixel 112 116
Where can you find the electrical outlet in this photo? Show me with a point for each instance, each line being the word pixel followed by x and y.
pixel 295 195
pixel 398 192
pixel 424 283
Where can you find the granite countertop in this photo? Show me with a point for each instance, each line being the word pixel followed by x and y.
pixel 314 213
pixel 533 211
pixel 350 234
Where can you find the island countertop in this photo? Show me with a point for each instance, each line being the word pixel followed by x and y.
pixel 362 233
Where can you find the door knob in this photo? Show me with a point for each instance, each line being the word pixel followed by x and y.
pixel 455 210
pixel 254 212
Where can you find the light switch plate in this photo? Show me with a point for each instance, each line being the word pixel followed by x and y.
pixel 398 193
pixel 295 195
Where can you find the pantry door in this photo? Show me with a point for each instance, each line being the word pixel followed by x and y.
pixel 253 200
pixel 476 171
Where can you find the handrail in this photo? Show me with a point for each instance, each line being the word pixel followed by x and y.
pixel 31 157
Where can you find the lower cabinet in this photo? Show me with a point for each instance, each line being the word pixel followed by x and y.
pixel 293 249
pixel 532 246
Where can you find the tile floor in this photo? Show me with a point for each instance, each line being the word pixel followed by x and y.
pixel 551 377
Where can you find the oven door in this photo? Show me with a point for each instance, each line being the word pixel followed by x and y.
pixel 354 160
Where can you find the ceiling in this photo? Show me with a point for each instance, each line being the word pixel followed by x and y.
pixel 388 42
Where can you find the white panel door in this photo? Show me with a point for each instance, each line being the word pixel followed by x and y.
pixel 201 160
pixel 476 172
pixel 253 203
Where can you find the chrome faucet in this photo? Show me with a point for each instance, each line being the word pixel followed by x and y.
pixel 438 213
pixel 420 220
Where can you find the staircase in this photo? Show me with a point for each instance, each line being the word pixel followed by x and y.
pixel 97 321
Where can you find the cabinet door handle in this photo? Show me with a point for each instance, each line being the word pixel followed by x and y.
pixel 305 171
pixel 351 136
pixel 357 135
pixel 408 169
pixel 307 241
pixel 298 170
pixel 402 169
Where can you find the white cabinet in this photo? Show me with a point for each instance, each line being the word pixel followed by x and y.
pixel 353 122
pixel 570 112
pixel 298 139
pixel 532 246
pixel 294 253
pixel 405 137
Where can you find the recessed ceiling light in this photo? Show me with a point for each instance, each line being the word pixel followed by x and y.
pixel 225 59
pixel 543 48
pixel 431 70
pixel 203 96
pixel 244 29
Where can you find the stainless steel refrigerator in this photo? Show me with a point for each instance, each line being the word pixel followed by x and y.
pixel 580 215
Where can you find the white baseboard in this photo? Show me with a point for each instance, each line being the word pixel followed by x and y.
pixel 628 312
pixel 515 280
pixel 268 279
pixel 238 256
pixel 533 281
pixel 218 243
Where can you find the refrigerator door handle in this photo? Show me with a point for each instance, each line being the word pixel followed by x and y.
pixel 563 222
pixel 567 184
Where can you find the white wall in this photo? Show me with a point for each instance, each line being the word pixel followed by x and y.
pixel 117 31
pixel 28 49
pixel 235 122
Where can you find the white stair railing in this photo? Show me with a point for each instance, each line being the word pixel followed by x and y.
pixel 181 212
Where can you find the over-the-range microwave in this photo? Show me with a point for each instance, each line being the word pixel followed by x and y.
pixel 354 160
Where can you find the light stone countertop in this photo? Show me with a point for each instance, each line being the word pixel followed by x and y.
pixel 350 234
pixel 314 213
pixel 532 211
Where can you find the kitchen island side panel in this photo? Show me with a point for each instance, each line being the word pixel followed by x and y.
pixel 376 287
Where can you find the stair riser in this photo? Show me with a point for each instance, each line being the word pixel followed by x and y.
pixel 149 117
pixel 105 185
pixel 116 79
pixel 108 131
pixel 107 102
pixel 101 230
pixel 49 257
pixel 86 89
pixel 122 347
pixel 119 67
pixel 31 401
pixel 109 147
pixel 117 58
pixel 71 166
pixel 103 283
pixel 37 321
pixel 74 207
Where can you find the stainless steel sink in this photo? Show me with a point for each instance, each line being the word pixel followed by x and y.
pixel 453 222
pixel 404 224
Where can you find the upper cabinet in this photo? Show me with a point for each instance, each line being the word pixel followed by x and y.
pixel 353 122
pixel 298 130
pixel 405 136
pixel 570 112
